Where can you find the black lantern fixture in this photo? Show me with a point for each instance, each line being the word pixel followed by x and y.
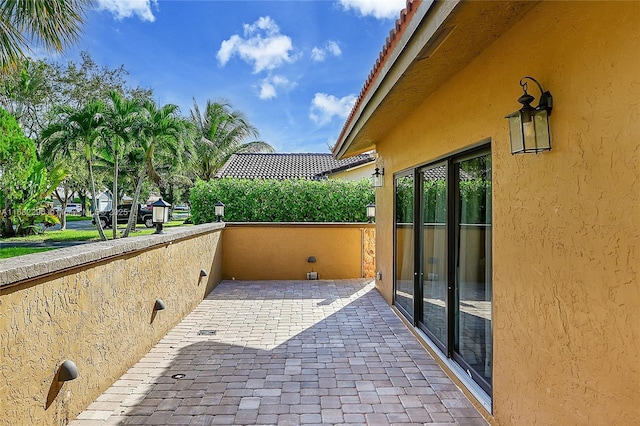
pixel 529 127
pixel 378 179
pixel 160 214
pixel 219 210
pixel 371 212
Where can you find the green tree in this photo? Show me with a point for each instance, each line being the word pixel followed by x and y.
pixel 121 121
pixel 219 133
pixel 17 158
pixel 25 23
pixel 78 129
pixel 162 130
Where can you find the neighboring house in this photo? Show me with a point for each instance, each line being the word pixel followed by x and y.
pixel 291 166
pixel 522 275
pixel 103 201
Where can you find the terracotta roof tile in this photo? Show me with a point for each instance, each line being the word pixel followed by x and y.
pixel 285 166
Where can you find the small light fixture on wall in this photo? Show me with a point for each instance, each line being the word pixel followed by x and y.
pixel 378 180
pixel 159 214
pixel 219 211
pixel 159 305
pixel 68 371
pixel 529 126
pixel 371 212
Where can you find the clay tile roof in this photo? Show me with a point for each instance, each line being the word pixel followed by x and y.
pixel 394 35
pixel 286 166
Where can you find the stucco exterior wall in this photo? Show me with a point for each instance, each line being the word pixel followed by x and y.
pixel 93 304
pixel 279 251
pixel 566 223
pixel 357 173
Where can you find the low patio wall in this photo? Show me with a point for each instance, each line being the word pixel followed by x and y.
pixel 93 304
pixel 279 251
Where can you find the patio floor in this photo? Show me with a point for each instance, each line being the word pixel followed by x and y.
pixel 287 353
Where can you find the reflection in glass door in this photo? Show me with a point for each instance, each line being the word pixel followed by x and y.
pixel 473 334
pixel 433 270
pixel 443 257
pixel 404 244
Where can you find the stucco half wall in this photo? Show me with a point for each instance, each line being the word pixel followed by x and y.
pixel 280 251
pixel 93 304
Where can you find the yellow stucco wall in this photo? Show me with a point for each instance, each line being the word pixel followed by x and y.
pixel 566 223
pixel 99 315
pixel 275 251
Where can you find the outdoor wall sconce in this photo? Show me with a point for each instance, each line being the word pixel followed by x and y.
pixel 529 127
pixel 159 305
pixel 371 212
pixel 219 210
pixel 160 214
pixel 378 180
pixel 68 371
pixel 203 273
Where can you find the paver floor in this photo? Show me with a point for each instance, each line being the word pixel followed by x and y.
pixel 287 353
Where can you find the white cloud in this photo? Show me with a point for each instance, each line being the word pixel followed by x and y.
pixel 262 45
pixel 319 54
pixel 324 107
pixel 129 8
pixel 269 86
pixel 380 9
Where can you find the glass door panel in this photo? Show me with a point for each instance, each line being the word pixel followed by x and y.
pixel 473 333
pixel 433 271
pixel 404 244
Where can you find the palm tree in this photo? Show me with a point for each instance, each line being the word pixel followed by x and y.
pixel 77 129
pixel 121 118
pixel 52 24
pixel 220 133
pixel 161 129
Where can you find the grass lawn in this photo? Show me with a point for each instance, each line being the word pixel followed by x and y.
pixel 86 235
pixel 74 218
pixel 19 251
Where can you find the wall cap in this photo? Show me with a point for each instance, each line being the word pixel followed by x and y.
pixel 21 268
pixel 300 224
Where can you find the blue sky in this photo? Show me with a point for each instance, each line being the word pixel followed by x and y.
pixel 294 68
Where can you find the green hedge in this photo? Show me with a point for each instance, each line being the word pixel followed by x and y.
pixel 269 200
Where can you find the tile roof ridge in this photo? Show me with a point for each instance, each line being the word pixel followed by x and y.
pixel 387 48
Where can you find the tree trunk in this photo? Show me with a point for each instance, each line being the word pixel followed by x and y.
pixel 114 198
pixel 133 216
pixel 96 218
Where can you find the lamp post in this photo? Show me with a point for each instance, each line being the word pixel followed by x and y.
pixel 219 211
pixel 529 126
pixel 371 212
pixel 160 214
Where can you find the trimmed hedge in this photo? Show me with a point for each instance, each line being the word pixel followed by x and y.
pixel 270 200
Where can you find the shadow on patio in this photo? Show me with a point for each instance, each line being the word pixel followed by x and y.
pixel 285 352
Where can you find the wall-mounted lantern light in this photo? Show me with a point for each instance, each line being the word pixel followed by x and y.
pixel 529 127
pixel 378 180
pixel 219 210
pixel 371 212
pixel 68 371
pixel 160 214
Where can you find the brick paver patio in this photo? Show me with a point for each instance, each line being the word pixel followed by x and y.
pixel 288 353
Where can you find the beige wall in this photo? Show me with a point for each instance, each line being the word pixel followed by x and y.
pixel 566 223
pixel 277 251
pixel 97 314
pixel 357 173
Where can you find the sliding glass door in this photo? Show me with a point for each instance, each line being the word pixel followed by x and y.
pixel 404 244
pixel 443 257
